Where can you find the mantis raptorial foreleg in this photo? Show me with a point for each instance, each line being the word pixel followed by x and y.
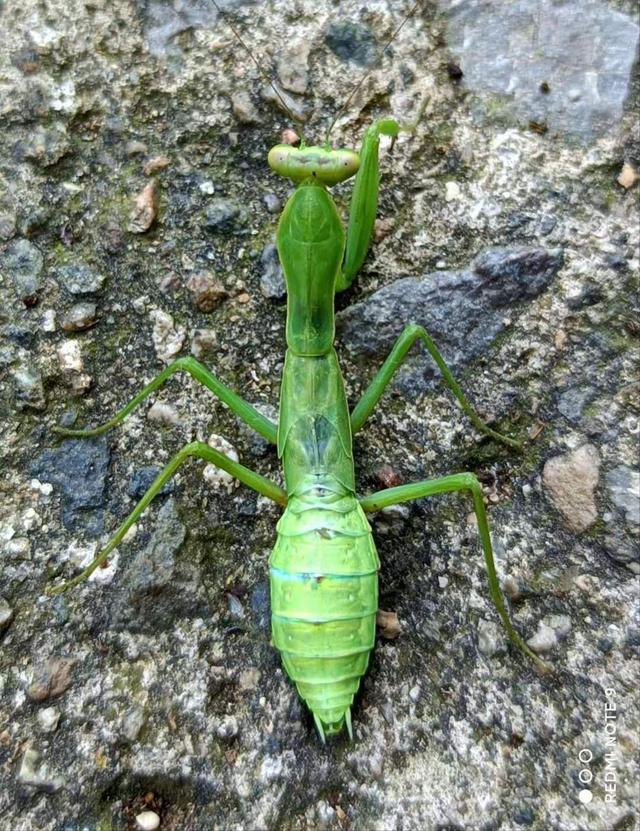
pixel 198 450
pixel 396 357
pixel 449 484
pixel 240 407
pixel 364 201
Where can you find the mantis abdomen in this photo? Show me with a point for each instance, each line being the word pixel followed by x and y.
pixel 324 599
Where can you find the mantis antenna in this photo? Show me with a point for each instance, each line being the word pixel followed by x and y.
pixel 368 74
pixel 261 71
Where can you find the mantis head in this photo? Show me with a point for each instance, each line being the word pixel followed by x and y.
pixel 323 164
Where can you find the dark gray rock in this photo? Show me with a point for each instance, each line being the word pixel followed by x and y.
pixel 142 480
pixel 29 388
pixel 78 278
pixel 153 568
pixel 223 217
pixel 22 264
pixel 623 484
pixel 463 311
pixel 162 586
pixel 165 21
pixel 553 63
pixel 272 283
pixel 45 146
pixel 573 401
pixel 79 469
pixel 352 42
pixel 620 545
pixel 79 317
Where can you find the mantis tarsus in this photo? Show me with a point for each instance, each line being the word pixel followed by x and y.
pixel 323 570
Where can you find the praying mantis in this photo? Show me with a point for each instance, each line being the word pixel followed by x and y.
pixel 324 567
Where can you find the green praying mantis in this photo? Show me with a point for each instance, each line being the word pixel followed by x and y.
pixel 324 566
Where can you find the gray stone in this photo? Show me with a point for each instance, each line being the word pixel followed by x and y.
pixel 79 317
pixel 223 217
pixel 29 388
pixel 22 263
pixel 490 637
pixel 621 546
pixel 78 278
pixel 352 42
pixel 6 614
pixel 566 65
pixel 142 480
pixel 164 22
pixel 162 585
pixel 34 773
pixel 79 469
pixel 132 723
pixel 573 401
pixel 463 311
pixel 7 226
pixel 571 480
pixel 51 679
pixel 624 489
pixel 48 718
pixel 272 283
pixel 45 146
pixel 153 568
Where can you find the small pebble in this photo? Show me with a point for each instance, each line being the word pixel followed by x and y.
pixel 164 414
pixel 452 191
pixel 136 148
pixel 206 291
pixel 167 337
pixel 145 209
pixel 148 821
pixel 78 317
pixel 227 729
pixel 78 278
pixel 203 342
pixel 155 164
pixel 70 356
pixel 48 719
pixel 215 476
pixel 544 639
pixel 628 176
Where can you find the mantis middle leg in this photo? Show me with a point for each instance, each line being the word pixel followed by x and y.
pixel 198 450
pixel 396 357
pixel 449 484
pixel 238 405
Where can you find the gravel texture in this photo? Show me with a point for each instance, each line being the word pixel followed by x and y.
pixel 137 215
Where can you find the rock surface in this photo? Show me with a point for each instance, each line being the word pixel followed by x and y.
pixel 571 481
pixel 517 248
pixel 554 62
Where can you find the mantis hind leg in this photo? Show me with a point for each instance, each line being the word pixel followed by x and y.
pixel 238 405
pixel 198 450
pixel 397 356
pixel 449 484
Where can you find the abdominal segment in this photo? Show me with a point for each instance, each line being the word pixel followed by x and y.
pixel 324 599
